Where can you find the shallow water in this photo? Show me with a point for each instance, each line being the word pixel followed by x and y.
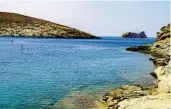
pixel 47 72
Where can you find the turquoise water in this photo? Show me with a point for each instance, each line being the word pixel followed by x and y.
pixel 45 71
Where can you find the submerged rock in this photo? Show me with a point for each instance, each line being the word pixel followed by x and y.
pixel 76 100
pixel 134 35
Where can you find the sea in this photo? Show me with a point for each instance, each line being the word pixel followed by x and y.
pixel 49 73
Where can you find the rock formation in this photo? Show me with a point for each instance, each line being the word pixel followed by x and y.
pixel 18 25
pixel 134 35
pixel 141 97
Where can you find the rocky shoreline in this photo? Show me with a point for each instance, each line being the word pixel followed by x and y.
pixel 145 97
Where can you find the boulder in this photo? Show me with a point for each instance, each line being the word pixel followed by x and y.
pixel 143 48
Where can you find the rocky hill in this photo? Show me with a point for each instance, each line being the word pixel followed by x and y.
pixel 134 35
pixel 18 25
pixel 146 97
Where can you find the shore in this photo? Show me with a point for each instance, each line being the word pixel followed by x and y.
pixel 145 97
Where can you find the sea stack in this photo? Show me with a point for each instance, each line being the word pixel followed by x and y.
pixel 17 25
pixel 134 35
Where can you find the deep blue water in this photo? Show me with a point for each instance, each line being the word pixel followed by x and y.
pixel 45 71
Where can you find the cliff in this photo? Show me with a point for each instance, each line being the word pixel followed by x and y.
pixel 146 97
pixel 18 25
pixel 134 35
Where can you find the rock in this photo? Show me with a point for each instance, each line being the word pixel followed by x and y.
pixel 76 100
pixel 134 35
pixel 143 48
pixel 164 33
pixel 160 61
pixel 146 102
pixel 17 25
pixel 152 59
pixel 124 92
pixel 153 74
pixel 135 97
pixel 163 75
pixel 47 103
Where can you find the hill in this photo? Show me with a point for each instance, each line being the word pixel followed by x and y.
pixel 17 25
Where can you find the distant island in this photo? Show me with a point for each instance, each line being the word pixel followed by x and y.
pixel 17 25
pixel 134 35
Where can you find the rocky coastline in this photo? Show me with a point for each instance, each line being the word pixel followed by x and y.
pixel 17 25
pixel 145 97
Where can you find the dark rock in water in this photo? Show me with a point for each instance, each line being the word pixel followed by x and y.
pixel 151 59
pixel 144 48
pixel 17 25
pixel 134 35
pixel 153 74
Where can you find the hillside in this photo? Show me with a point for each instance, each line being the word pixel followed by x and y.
pixel 18 25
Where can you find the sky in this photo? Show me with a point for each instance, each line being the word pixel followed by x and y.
pixel 101 18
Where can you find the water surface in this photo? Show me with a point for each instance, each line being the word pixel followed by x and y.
pixel 37 73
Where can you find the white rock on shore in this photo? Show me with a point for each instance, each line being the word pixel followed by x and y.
pixel 146 102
